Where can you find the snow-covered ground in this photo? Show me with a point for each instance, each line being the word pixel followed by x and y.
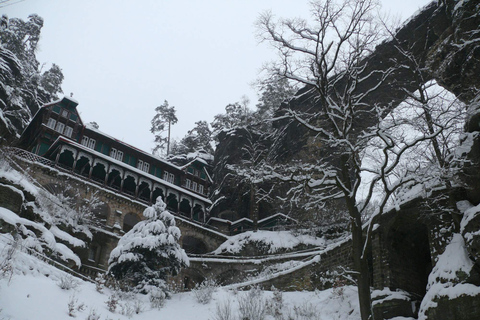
pixel 30 290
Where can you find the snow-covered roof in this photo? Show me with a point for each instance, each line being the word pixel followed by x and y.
pixel 91 128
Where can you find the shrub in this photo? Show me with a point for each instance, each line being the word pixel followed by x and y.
pixel 203 292
pixel 223 311
pixel 251 305
pixel 68 282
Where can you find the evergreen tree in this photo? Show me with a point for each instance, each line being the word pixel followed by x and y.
pixel 164 118
pixel 273 92
pixel 199 139
pixel 23 86
pixel 147 254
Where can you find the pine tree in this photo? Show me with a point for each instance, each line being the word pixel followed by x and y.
pixel 164 118
pixel 147 254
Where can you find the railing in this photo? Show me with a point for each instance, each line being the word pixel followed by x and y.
pixel 28 156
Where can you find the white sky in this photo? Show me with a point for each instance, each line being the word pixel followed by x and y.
pixel 121 59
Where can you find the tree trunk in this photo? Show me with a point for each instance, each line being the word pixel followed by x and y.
pixel 253 207
pixel 361 267
pixel 168 140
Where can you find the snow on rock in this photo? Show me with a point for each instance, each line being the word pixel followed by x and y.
pixel 380 296
pixel 469 213
pixel 448 275
pixel 32 241
pixel 272 241
pixel 67 237
pixel 467 140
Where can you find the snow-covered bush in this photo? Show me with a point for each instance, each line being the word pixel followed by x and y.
pixel 149 252
pixel 223 311
pixel 93 315
pixel 306 311
pixel 251 305
pixel 112 302
pixel 74 306
pixel 157 298
pixel 203 292
pixel 68 282
pixel 274 307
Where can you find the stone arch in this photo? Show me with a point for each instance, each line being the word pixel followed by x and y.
pixel 130 220
pixel 102 212
pixel 193 245
pixel 409 258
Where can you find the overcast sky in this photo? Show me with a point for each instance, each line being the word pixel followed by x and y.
pixel 121 59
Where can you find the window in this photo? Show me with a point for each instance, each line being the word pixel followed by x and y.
pixel 194 186
pixel 64 113
pixel 119 155
pixel 146 167
pixel 60 127
pixel 92 254
pixel 85 141
pixel 68 131
pixel 200 189
pixel 116 154
pixel 188 184
pixel 56 109
pixel 140 164
pixel 169 177
pixel 51 123
pixel 91 143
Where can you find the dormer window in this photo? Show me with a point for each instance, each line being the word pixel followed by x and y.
pixel 64 113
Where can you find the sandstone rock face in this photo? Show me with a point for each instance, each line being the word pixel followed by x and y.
pixel 11 198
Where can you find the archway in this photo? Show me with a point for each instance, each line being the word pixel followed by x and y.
pixel 193 245
pixel 185 208
pixel 129 185
pixel 114 179
pixel 144 191
pixel 158 193
pixel 130 220
pixel 409 257
pixel 198 213
pixel 82 166
pixel 99 172
pixel 172 202
pixel 66 159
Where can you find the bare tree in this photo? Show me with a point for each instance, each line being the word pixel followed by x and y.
pixel 332 59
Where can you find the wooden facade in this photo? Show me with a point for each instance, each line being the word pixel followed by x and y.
pixel 57 133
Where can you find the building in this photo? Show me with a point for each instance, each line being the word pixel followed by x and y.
pixel 58 133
